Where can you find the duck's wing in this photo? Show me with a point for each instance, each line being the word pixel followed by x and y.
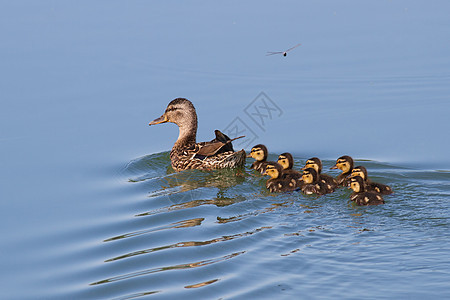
pixel 213 148
pixel 221 137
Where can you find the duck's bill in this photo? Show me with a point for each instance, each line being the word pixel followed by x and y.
pixel 249 155
pixel 333 167
pixel 160 120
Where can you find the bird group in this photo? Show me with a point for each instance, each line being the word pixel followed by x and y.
pixel 219 153
pixel 283 178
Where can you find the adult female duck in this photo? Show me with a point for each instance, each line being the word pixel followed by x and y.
pixel 187 153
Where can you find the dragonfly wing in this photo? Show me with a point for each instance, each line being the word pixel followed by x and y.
pixel 292 47
pixel 272 53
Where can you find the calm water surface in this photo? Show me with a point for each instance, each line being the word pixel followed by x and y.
pixel 91 209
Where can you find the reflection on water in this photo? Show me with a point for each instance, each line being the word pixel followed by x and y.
pixel 237 218
pixel 201 284
pixel 169 268
pixel 179 224
pixel 188 244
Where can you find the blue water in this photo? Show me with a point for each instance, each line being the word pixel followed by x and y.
pixel 90 208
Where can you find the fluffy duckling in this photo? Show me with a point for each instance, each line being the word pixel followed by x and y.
pixel 369 185
pixel 259 153
pixel 186 152
pixel 344 163
pixel 360 196
pixel 287 162
pixel 316 164
pixel 277 183
pixel 312 184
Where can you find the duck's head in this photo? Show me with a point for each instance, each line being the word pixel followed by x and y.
pixel 344 163
pixel 273 170
pixel 359 171
pixel 286 160
pixel 309 175
pixel 314 163
pixel 258 152
pixel 357 184
pixel 180 111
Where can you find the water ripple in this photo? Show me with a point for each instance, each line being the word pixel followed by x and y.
pixel 179 224
pixel 169 268
pixel 189 244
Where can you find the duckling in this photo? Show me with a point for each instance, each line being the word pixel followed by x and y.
pixel 360 196
pixel 259 153
pixel 344 163
pixel 316 164
pixel 186 152
pixel 312 184
pixel 287 162
pixel 369 185
pixel 277 183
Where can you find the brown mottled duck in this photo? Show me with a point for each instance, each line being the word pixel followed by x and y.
pixel 186 152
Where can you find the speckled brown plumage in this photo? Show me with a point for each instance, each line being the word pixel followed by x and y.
pixel 186 152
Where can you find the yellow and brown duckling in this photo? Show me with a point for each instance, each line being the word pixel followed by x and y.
pixel 186 152
pixel 287 162
pixel 260 153
pixel 316 164
pixel 369 185
pixel 362 197
pixel 345 164
pixel 312 183
pixel 277 183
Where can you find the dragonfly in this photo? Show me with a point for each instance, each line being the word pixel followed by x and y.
pixel 282 52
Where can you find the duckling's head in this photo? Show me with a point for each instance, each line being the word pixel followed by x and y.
pixel 309 175
pixel 259 152
pixel 273 170
pixel 314 163
pixel 344 163
pixel 180 111
pixel 359 171
pixel 286 160
pixel 357 184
